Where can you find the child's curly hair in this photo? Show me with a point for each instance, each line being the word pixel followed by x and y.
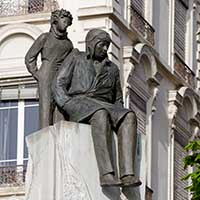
pixel 60 13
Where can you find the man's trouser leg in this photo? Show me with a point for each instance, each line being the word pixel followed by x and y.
pixel 102 138
pixel 127 138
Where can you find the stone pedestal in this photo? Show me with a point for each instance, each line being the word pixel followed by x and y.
pixel 62 166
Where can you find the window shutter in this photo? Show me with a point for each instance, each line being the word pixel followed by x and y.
pixel 180 28
pixel 141 119
pixel 138 105
pixel 22 93
pixel 179 192
pixel 138 5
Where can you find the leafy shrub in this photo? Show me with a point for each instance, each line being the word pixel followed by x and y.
pixel 193 160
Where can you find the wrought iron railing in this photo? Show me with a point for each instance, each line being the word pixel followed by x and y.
pixel 12 175
pixel 184 71
pixel 141 25
pixel 23 7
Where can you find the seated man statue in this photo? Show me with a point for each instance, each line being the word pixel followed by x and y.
pixel 88 89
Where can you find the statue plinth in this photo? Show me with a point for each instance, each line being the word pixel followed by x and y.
pixel 62 166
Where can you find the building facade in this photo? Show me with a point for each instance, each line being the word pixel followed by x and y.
pixel 155 43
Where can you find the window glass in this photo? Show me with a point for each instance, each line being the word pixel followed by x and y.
pixel 4 104
pixel 31 102
pixel 31 123
pixel 8 130
pixel 6 163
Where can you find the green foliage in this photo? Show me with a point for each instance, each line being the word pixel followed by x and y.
pixel 193 160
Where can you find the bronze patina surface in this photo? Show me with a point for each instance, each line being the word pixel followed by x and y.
pixel 88 90
pixel 54 46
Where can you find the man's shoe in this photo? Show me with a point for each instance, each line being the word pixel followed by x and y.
pixel 109 180
pixel 130 180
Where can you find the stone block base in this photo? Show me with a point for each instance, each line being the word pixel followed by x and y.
pixel 62 166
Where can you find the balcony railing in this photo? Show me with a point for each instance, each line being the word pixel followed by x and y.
pixel 12 176
pixel 141 25
pixel 184 71
pixel 23 7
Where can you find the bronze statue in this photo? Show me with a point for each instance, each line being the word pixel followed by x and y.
pixel 53 46
pixel 88 89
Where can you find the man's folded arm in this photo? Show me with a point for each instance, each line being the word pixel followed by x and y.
pixel 118 91
pixel 62 81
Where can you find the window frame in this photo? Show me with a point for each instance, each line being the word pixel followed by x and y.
pixel 20 94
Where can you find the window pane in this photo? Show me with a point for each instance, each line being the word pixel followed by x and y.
pixel 8 163
pixel 8 131
pixel 4 104
pixel 31 121
pixel 31 102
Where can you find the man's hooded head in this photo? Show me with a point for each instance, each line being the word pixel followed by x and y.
pixel 93 37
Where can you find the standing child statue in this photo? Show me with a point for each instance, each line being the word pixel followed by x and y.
pixel 53 46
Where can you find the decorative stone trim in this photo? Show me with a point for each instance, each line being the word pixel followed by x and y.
pixel 176 98
pixel 181 130
pixel 142 55
pixel 7 75
pixel 110 11
pixel 23 28
pixel 144 49
pixel 10 191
